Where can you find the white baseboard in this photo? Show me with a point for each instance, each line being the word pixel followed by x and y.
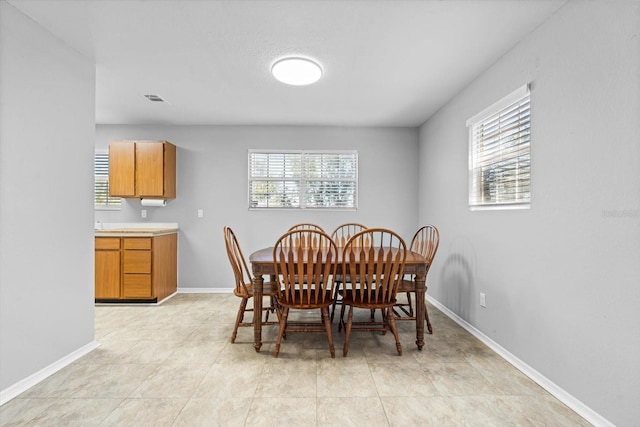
pixel 576 405
pixel 25 384
pixel 205 290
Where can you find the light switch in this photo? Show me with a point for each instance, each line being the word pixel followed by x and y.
pixel 200 213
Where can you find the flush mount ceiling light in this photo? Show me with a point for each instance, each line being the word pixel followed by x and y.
pixel 296 71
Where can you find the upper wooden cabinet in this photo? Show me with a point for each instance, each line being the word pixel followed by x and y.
pixel 142 169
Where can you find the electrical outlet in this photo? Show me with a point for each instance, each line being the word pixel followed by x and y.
pixel 483 299
pixel 143 213
pixel 200 213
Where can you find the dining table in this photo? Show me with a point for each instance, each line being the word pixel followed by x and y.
pixel 262 264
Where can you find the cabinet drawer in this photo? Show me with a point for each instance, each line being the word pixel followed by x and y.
pixel 137 243
pixel 137 262
pixel 107 243
pixel 137 286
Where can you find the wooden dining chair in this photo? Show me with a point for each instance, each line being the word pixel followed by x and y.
pixel 340 236
pixel 344 232
pixel 244 285
pixel 306 226
pixel 306 274
pixel 425 242
pixel 379 268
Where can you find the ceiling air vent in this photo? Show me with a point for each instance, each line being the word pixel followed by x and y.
pixel 154 98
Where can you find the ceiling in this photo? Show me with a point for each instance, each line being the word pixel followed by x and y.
pixel 386 63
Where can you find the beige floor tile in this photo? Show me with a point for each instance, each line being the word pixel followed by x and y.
pixel 151 352
pixel 19 411
pixel 511 381
pixel 64 382
pixel 112 381
pixel 380 348
pixel 545 411
pixel 279 412
pixel 488 411
pixel 345 377
pixel 239 352
pixel 421 411
pixel 288 378
pixel 230 379
pixel 402 379
pixel 75 412
pixel 195 352
pixel 212 412
pixel 214 332
pixel 145 412
pixel 171 382
pixel 440 351
pixel 351 411
pixel 295 350
pixel 459 379
pixel 109 351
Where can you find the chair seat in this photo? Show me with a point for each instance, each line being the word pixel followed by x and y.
pixel 300 300
pixel 268 289
pixel 364 301
pixel 407 286
pixel 346 278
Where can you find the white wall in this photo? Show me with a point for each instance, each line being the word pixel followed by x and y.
pixel 562 280
pixel 212 175
pixel 46 249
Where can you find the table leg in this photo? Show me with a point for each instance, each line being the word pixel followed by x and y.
pixel 421 291
pixel 258 283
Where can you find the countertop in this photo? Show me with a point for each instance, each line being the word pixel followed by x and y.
pixel 135 229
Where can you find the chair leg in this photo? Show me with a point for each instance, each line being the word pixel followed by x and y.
pixel 394 331
pixel 239 318
pixel 426 316
pixel 327 325
pixel 341 322
pixel 347 331
pixel 266 310
pixel 336 294
pixel 410 304
pixel 276 307
pixel 283 326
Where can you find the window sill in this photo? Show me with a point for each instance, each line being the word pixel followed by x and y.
pixel 498 207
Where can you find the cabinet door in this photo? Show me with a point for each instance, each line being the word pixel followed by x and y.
pixel 150 169
pixel 169 170
pixel 107 274
pixel 137 286
pixel 122 169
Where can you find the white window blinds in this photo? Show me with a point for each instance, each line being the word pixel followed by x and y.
pixel 500 153
pixel 102 200
pixel 303 179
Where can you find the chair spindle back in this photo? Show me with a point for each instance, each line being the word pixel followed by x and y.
pixel 344 232
pixel 378 265
pixel 305 263
pixel 236 258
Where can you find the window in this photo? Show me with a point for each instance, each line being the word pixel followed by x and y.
pixel 500 154
pixel 102 200
pixel 303 179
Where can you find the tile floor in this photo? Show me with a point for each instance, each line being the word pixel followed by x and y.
pixel 173 365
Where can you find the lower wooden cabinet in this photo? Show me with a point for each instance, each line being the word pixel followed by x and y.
pixel 143 269
pixel 107 266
